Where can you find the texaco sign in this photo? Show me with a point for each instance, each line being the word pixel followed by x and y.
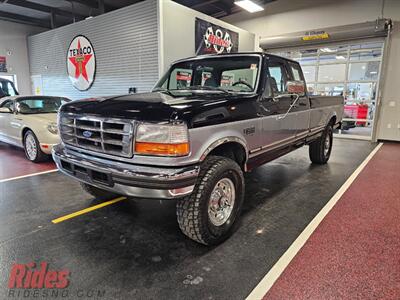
pixel 81 63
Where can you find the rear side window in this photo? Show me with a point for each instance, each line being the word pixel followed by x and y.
pixel 10 88
pixel 296 71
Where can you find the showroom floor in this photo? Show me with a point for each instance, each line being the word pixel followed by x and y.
pixel 14 164
pixel 135 248
pixel 354 253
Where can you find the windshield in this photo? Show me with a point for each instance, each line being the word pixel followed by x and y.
pixel 40 105
pixel 214 74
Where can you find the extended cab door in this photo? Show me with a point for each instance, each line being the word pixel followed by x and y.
pixel 301 108
pixel 279 124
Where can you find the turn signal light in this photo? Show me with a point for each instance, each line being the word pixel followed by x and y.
pixel 146 148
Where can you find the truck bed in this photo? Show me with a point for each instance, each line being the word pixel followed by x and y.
pixel 322 108
pixel 321 101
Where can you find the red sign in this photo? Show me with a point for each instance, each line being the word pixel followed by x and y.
pixel 3 64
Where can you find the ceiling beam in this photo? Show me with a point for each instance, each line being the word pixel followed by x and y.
pixel 203 3
pixel 102 8
pixel 44 8
pixel 94 4
pixel 24 19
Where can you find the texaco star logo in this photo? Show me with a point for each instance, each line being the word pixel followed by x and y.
pixel 81 63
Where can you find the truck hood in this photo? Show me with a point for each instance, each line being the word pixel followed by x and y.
pixel 154 106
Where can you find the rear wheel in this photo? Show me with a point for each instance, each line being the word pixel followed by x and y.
pixel 96 192
pixel 209 215
pixel 320 150
pixel 32 148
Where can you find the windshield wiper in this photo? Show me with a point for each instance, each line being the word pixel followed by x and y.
pixel 207 88
pixel 162 90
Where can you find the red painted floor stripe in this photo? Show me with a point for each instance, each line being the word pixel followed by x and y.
pixel 13 163
pixel 355 251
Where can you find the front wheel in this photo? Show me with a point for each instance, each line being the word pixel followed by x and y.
pixel 209 215
pixel 320 150
pixel 32 148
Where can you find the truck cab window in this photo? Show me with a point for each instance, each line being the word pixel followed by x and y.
pixel 296 72
pixel 10 89
pixel 278 78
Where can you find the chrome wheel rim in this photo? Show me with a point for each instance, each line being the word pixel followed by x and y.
pixel 222 200
pixel 327 144
pixel 31 147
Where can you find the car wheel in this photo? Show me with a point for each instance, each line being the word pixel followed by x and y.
pixel 32 148
pixel 209 215
pixel 96 192
pixel 320 150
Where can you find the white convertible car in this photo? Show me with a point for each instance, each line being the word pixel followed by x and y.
pixel 30 122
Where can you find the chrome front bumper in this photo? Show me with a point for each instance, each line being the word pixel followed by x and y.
pixel 126 179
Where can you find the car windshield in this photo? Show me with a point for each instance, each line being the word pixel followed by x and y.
pixel 40 105
pixel 213 74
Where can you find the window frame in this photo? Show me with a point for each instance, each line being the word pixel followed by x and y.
pixel 12 107
pixel 286 74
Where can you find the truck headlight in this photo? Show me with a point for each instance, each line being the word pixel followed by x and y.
pixel 52 128
pixel 162 140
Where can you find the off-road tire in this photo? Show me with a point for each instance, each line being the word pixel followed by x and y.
pixel 192 211
pixel 96 192
pixel 317 152
pixel 40 155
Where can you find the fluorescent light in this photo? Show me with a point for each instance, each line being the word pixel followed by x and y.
pixel 327 50
pixel 340 57
pixel 249 5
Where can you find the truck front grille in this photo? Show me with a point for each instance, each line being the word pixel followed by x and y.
pixel 110 136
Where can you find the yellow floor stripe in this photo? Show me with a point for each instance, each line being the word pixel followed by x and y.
pixel 86 210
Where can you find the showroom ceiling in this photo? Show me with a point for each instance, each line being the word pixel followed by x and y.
pixel 56 13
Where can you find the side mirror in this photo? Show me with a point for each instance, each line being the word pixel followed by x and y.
pixel 5 110
pixel 296 87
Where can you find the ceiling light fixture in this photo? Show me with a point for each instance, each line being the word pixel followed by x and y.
pixel 329 50
pixel 249 5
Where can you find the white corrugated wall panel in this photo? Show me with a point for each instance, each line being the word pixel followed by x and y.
pixel 126 46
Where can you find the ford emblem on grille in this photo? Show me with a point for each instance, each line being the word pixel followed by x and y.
pixel 87 134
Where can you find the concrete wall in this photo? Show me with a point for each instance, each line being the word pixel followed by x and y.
pixel 13 40
pixel 286 16
pixel 178 29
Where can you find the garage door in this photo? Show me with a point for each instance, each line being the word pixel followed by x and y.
pixel 351 70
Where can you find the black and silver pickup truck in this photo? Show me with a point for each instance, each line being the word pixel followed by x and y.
pixel 208 120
